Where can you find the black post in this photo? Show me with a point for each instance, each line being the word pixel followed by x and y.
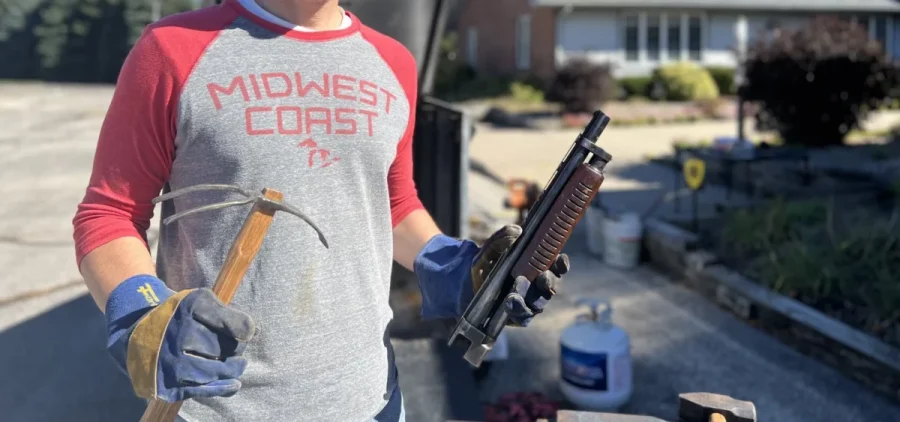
pixel 433 48
pixel 677 185
pixel 695 217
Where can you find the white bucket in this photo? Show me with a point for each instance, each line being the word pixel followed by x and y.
pixel 622 240
pixel 594 217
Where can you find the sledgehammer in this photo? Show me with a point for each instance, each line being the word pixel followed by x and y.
pixel 709 407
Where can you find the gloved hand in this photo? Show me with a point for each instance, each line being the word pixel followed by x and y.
pixel 450 271
pixel 175 346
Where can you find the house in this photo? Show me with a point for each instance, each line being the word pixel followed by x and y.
pixel 536 37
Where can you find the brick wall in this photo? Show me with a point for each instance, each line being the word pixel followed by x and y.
pixel 495 22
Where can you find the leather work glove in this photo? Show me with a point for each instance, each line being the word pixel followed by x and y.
pixel 450 271
pixel 526 299
pixel 175 346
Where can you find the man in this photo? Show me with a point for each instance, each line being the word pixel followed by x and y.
pixel 300 96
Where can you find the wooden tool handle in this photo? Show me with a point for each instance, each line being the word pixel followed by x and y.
pixel 240 256
pixel 554 232
pixel 717 417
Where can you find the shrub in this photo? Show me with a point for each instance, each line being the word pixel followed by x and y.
pixel 581 86
pixel 685 81
pixel 724 78
pixel 635 86
pixel 451 73
pixel 525 92
pixel 815 84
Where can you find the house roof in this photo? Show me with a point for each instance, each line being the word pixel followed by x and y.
pixel 781 5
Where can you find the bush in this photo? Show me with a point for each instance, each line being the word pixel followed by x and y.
pixel 635 86
pixel 525 92
pixel 685 81
pixel 450 72
pixel 581 86
pixel 815 84
pixel 724 78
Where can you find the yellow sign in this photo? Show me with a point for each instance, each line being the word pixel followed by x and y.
pixel 694 170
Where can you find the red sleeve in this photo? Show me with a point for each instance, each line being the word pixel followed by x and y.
pixel 402 187
pixel 136 145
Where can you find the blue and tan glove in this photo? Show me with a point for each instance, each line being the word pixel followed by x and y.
pixel 450 271
pixel 175 346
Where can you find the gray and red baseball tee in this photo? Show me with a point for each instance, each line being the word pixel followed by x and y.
pixel 219 95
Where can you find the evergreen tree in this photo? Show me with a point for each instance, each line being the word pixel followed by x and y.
pixel 74 40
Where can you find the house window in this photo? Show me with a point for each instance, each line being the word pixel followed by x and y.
pixel 695 37
pixel 673 33
pixel 647 35
pixel 631 38
pixel 653 34
pixel 878 30
pixel 523 42
pixel 472 46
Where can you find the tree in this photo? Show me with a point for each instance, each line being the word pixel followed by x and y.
pixel 75 40
pixel 817 83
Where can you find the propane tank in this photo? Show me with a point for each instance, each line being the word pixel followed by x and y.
pixel 595 360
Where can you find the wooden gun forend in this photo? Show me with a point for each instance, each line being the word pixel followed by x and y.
pixel 557 227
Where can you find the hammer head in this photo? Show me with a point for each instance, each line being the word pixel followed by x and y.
pixel 698 407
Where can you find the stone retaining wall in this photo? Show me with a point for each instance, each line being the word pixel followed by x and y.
pixel 850 351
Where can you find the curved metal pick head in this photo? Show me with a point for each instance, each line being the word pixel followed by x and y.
pixel 251 197
pixel 203 187
pixel 281 206
pixel 209 207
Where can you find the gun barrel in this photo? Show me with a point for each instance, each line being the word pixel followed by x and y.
pixel 596 126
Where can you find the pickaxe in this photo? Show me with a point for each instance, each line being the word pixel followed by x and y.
pixel 240 256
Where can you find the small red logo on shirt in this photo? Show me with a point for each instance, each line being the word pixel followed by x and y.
pixel 324 156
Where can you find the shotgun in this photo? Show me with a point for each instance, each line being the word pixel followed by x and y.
pixel 545 231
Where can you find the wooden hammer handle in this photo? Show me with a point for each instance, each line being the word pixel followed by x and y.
pixel 717 417
pixel 240 256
